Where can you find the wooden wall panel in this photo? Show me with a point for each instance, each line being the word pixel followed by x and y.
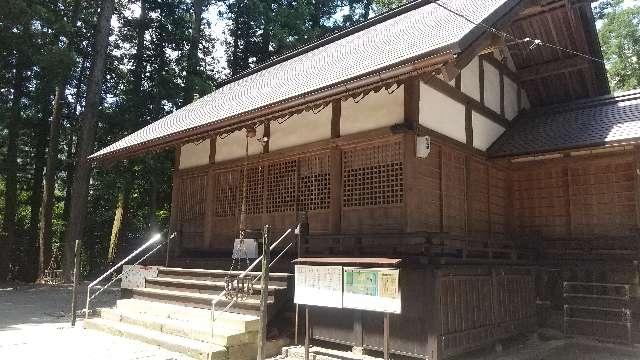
pixel 498 196
pixel 425 192
pixel 453 191
pixel 540 201
pixel 478 202
pixel 192 195
pixel 602 198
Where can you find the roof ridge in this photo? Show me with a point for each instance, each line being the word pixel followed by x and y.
pixel 328 39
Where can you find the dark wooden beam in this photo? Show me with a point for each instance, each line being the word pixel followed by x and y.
pixel 336 113
pixel 412 102
pixel 481 79
pixel 212 148
pixel 267 134
pixel 465 99
pixel 468 124
pixel 553 67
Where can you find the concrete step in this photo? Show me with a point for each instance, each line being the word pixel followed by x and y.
pixel 276 279
pixel 200 286
pixel 192 348
pixel 247 306
pixel 240 322
pixel 200 330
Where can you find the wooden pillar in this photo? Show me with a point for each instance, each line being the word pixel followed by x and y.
pixel 411 121
pixel 481 78
pixel 307 332
pixel 443 208
pixel 335 172
pixel 468 124
pixel 210 195
pixel 636 183
pixel 174 223
pixel 358 333
pixel 502 110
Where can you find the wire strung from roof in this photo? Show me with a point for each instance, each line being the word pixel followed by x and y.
pixel 534 42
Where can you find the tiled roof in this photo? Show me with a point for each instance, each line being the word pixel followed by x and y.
pixel 415 32
pixel 596 122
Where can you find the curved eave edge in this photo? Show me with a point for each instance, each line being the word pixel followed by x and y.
pixel 439 56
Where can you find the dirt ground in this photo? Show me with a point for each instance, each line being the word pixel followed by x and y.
pixel 35 324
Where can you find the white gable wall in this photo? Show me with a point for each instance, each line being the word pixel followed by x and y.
pixel 491 87
pixel 195 154
pixel 485 131
pixel 470 79
pixel 510 98
pixel 300 129
pixel 233 146
pixel 440 113
pixel 374 111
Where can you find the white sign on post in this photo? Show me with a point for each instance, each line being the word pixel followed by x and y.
pixel 318 285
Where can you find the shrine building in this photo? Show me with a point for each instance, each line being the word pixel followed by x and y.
pixel 474 145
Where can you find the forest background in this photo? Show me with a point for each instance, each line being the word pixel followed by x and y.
pixel 78 75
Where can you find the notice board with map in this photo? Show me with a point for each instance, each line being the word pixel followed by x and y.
pixel 372 289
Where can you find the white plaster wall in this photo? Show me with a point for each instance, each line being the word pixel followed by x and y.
pixel 195 154
pixel 441 114
pixel 375 111
pixel 510 98
pixel 469 79
pixel 233 146
pixel 491 87
pixel 485 131
pixel 303 128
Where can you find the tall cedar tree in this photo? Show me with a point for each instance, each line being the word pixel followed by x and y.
pixel 82 172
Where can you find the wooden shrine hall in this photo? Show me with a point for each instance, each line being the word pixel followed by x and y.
pixel 500 171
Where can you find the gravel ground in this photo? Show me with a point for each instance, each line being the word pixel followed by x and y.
pixel 35 324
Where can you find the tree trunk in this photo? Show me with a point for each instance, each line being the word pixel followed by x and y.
pixel 138 63
pixel 265 37
pixel 7 244
pixel 116 229
pixel 81 175
pixel 48 196
pixel 192 56
pixel 31 245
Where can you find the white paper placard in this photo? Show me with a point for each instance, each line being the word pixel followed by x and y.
pixel 372 290
pixel 318 285
pixel 133 276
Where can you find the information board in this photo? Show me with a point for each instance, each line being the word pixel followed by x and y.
pixel 318 285
pixel 372 290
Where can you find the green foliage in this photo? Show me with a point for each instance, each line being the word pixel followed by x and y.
pixel 620 38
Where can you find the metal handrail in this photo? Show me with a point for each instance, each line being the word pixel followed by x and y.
pixel 243 274
pixel 151 241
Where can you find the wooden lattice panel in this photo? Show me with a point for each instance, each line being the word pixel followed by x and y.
pixel 281 186
pixel 254 190
pixel 373 175
pixel 314 182
pixel 228 185
pixel 193 195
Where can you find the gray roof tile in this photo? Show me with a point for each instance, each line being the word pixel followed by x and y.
pixel 595 122
pixel 423 31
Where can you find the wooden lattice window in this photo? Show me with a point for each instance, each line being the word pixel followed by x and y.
pixel 193 195
pixel 314 182
pixel 373 175
pixel 227 187
pixel 281 186
pixel 254 190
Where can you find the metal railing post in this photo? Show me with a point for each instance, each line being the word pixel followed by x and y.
pixel 264 294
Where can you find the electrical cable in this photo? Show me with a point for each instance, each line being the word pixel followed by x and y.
pixel 504 35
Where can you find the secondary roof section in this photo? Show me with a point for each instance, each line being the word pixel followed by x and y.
pixel 596 122
pixel 414 32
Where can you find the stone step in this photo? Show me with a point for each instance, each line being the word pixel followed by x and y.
pixel 192 348
pixel 276 279
pixel 201 286
pixel 248 306
pixel 240 322
pixel 200 330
